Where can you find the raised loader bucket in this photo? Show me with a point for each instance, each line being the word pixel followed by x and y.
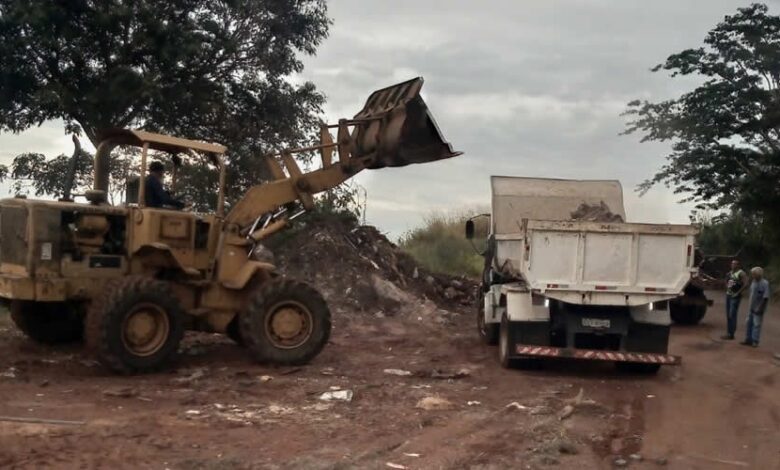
pixel 395 128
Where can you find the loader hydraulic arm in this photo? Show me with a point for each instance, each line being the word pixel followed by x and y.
pixel 394 128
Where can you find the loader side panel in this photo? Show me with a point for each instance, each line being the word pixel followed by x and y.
pixel 46 242
pixel 13 237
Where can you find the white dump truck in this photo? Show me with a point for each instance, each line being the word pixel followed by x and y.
pixel 596 289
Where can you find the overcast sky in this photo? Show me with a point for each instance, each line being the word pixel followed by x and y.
pixel 527 88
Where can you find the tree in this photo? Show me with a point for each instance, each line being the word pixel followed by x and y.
pixel 725 133
pixel 209 70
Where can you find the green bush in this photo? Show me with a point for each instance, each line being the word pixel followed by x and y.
pixel 439 245
pixel 752 239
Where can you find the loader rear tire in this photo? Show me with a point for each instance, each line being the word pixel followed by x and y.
pixel 286 323
pixel 48 322
pixel 488 332
pixel 135 326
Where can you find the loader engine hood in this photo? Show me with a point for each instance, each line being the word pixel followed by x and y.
pixel 395 128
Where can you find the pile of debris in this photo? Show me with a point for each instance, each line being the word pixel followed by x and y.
pixel 357 267
pixel 595 213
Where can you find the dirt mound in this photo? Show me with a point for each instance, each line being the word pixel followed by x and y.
pixel 357 268
pixel 595 213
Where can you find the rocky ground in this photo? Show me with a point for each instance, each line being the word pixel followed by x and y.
pixel 404 383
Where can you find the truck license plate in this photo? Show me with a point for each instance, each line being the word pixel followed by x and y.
pixel 596 322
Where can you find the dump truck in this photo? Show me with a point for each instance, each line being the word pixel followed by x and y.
pixel 130 279
pixel 594 290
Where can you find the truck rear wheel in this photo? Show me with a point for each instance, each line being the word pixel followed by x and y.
pixel 506 346
pixel 286 322
pixel 48 322
pixel 487 331
pixel 683 314
pixel 135 326
pixel 690 308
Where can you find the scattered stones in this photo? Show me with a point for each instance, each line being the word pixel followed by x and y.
pixel 566 412
pixel 445 375
pixel 450 293
pixel 337 395
pixel 398 372
pixel 661 461
pixel 635 457
pixel 387 291
pixel 193 375
pixel 516 406
pixel 125 392
pixel 434 403
pixel 620 462
pixel 473 403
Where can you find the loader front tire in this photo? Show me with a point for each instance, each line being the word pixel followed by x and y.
pixel 286 323
pixel 135 326
pixel 48 322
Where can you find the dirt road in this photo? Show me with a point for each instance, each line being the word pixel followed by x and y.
pixel 215 409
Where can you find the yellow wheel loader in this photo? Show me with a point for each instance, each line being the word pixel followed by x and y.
pixel 131 279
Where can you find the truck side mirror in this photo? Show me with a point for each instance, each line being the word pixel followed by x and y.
pixel 469 229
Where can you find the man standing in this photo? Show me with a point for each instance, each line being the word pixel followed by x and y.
pixel 759 298
pixel 156 195
pixel 736 283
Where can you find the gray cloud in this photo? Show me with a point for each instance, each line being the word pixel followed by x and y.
pixel 532 88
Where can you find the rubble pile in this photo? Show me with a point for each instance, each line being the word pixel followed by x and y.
pixel 595 213
pixel 357 267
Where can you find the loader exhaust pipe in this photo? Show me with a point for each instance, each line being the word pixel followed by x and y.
pixel 395 128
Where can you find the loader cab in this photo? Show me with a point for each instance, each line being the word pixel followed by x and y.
pixel 183 241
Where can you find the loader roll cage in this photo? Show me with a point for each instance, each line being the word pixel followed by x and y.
pixel 111 138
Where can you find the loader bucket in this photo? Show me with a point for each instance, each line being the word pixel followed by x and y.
pixel 395 128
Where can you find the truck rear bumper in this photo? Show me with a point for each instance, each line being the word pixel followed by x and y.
pixel 597 355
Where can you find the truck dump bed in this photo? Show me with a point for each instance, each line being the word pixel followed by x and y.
pixel 585 262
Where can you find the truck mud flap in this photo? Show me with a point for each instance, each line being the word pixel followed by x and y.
pixel 597 355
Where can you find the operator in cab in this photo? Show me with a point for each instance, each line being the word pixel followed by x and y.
pixel 156 195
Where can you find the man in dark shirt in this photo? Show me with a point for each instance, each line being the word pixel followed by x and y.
pixel 156 195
